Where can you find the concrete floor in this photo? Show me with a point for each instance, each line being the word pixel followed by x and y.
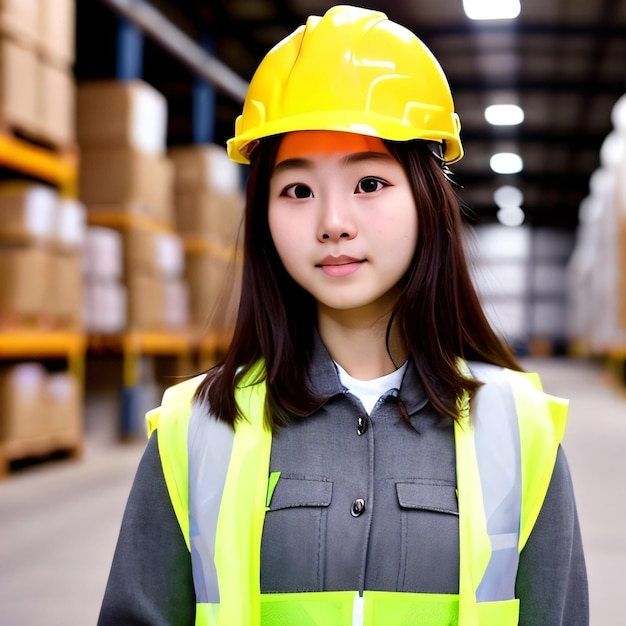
pixel 59 521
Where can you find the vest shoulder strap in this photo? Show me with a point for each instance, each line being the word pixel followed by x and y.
pixel 542 420
pixel 176 403
pixel 171 421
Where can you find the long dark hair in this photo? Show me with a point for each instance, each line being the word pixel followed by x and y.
pixel 438 313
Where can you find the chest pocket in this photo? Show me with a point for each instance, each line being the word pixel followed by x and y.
pixel 294 536
pixel 430 537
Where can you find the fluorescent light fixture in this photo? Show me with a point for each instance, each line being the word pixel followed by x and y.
pixel 513 216
pixel 613 149
pixel 492 9
pixel 508 196
pixel 618 114
pixel 506 163
pixel 504 114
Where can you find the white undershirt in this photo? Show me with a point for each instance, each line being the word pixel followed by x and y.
pixel 370 391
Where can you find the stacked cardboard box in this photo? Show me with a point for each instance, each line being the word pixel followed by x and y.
pixel 104 291
pixel 36 57
pixel 41 238
pixel 134 281
pixel 121 130
pixel 126 182
pixel 153 270
pixel 39 411
pixel 208 210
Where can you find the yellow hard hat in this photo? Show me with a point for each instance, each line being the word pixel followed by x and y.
pixel 352 70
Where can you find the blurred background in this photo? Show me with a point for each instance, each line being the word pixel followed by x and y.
pixel 119 270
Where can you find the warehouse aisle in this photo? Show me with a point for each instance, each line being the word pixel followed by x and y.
pixel 59 522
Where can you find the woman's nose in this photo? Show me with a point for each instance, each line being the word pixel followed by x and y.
pixel 336 222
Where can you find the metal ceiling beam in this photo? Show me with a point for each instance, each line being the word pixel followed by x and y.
pixel 521 28
pixel 575 141
pixel 571 181
pixel 156 26
pixel 526 84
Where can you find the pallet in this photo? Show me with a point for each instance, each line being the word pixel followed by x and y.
pixel 31 134
pixel 24 154
pixel 39 449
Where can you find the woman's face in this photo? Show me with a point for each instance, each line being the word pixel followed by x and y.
pixel 343 219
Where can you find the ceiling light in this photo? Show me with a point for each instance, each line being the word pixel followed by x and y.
pixel 504 114
pixel 613 149
pixel 508 196
pixel 513 216
pixel 506 163
pixel 618 113
pixel 491 9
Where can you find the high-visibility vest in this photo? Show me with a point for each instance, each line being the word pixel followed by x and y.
pixel 218 480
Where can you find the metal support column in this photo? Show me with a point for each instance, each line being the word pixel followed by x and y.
pixel 129 61
pixel 203 102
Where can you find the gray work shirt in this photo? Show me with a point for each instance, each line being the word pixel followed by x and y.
pixel 318 535
pixel 368 511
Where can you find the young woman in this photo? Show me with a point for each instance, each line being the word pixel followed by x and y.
pixel 369 451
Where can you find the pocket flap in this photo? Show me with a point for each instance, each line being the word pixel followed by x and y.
pixel 428 496
pixel 294 492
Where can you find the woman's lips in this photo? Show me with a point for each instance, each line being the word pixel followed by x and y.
pixel 339 266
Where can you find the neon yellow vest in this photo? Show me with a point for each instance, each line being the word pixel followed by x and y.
pixel 234 501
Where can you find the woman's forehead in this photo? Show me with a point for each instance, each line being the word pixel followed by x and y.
pixel 307 143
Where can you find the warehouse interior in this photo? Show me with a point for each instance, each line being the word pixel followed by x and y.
pixel 119 222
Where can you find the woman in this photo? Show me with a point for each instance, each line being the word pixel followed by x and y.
pixel 369 451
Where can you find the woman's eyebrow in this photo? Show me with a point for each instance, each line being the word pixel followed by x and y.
pixel 355 157
pixel 291 164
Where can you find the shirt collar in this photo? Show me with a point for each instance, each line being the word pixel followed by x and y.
pixel 325 383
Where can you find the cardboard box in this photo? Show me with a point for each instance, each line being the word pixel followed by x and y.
pixel 70 225
pixel 115 114
pixel 28 212
pixel 64 301
pixel 105 307
pixel 63 407
pixel 103 254
pixel 176 304
pixel 18 87
pixel 209 290
pixel 205 166
pixel 19 20
pixel 56 103
pixel 21 401
pixel 140 252
pixel 170 256
pixel 23 288
pixel 57 26
pixel 160 201
pixel 146 302
pixel 203 213
pixel 127 177
pixel 155 253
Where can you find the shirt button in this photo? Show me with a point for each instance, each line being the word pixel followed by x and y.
pixel 358 506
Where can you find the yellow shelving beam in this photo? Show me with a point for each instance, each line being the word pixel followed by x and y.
pixel 18 344
pixel 59 169
pixel 118 219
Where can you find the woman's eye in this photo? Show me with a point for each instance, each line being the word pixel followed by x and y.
pixel 299 191
pixel 370 185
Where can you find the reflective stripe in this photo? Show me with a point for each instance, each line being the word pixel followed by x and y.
pixel 497 441
pixel 206 496
pixel 358 605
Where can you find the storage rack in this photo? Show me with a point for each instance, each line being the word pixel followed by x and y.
pixel 60 169
pixel 193 352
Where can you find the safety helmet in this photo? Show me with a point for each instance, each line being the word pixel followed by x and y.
pixel 352 70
